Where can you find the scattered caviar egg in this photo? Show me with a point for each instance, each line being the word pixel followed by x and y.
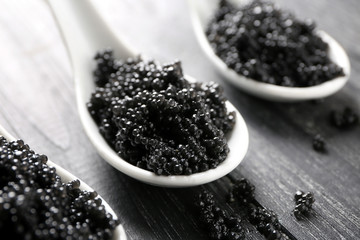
pixel 319 143
pixel 267 223
pixel 242 191
pixel 304 202
pixel 345 119
pixel 263 219
pixel 219 224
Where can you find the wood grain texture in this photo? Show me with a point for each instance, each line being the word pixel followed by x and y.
pixel 37 103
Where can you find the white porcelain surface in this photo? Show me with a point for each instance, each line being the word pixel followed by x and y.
pixel 119 232
pixel 84 33
pixel 201 13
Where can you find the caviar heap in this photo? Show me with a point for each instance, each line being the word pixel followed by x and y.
pixel 156 120
pixel 304 202
pixel 262 42
pixel 220 226
pixel 345 119
pixel 36 204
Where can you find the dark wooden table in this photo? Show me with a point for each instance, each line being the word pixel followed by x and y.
pixel 37 104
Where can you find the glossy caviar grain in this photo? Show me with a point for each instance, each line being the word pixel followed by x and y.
pixel 345 119
pixel 156 120
pixel 220 226
pixel 319 143
pixel 242 191
pixel 36 204
pixel 269 45
pixel 304 202
pixel 265 220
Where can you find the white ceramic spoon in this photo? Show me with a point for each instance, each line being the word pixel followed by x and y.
pixel 84 33
pixel 201 13
pixel 119 232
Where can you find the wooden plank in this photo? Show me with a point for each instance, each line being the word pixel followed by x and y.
pixel 37 103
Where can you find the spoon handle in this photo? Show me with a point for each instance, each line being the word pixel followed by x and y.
pixel 84 31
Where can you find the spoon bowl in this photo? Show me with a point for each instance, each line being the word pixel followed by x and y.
pixel 85 33
pixel 201 13
pixel 119 232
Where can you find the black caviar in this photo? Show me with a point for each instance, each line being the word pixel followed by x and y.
pixel 265 220
pixel 220 226
pixel 156 120
pixel 36 204
pixel 242 191
pixel 345 119
pixel 262 42
pixel 319 143
pixel 267 223
pixel 304 202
